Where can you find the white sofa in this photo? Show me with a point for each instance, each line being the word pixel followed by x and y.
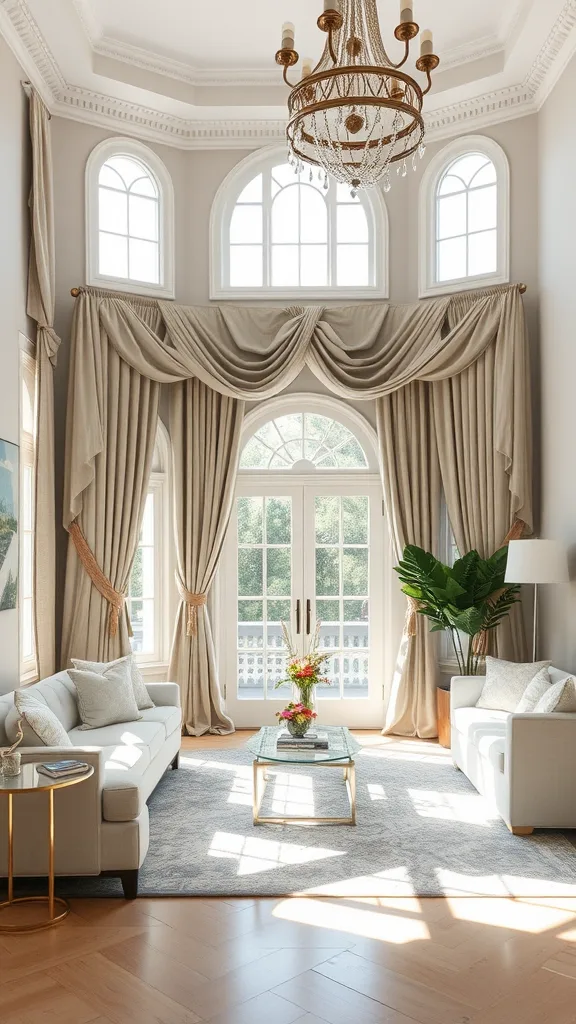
pixel 525 764
pixel 101 826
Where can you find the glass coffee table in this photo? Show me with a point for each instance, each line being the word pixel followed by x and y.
pixel 340 754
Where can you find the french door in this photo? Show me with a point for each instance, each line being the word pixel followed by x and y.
pixel 296 554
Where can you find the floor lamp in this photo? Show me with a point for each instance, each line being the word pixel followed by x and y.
pixel 536 561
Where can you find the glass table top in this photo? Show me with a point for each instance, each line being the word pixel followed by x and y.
pixel 341 746
pixel 30 780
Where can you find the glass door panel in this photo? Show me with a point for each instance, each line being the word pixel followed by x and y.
pixel 341 591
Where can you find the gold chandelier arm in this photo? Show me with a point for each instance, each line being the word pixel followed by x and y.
pixel 331 45
pixel 404 58
pixel 285 77
pixel 429 86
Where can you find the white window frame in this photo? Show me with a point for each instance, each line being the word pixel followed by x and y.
pixel 428 283
pixel 28 370
pixel 221 214
pixel 156 168
pixel 156 662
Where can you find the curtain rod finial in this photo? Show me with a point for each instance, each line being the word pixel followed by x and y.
pixel 523 288
pixel 74 292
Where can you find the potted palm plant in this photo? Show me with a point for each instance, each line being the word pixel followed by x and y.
pixel 468 599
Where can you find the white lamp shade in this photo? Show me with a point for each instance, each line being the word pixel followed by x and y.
pixel 536 561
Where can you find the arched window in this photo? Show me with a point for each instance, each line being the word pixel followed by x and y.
pixel 464 215
pixel 275 232
pixel 129 212
pixel 306 543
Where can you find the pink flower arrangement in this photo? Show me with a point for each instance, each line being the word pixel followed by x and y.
pixel 298 713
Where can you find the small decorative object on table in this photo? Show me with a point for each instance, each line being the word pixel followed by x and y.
pixel 305 672
pixel 10 759
pixel 297 718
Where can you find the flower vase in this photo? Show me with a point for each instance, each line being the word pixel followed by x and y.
pixel 298 729
pixel 305 695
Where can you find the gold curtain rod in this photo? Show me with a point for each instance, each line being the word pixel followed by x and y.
pixel 75 292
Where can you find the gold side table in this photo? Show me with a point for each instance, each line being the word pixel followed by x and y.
pixel 31 780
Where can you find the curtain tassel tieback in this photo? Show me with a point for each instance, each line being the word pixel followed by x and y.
pixel 411 616
pixel 115 598
pixel 194 602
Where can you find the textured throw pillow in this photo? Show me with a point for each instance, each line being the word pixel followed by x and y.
pixel 506 682
pixel 536 689
pixel 140 692
pixel 40 725
pixel 559 697
pixel 105 698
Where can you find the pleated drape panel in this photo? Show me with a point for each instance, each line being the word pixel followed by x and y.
pixel 482 500
pixel 411 482
pixel 367 351
pixel 116 473
pixel 205 430
pixel 40 306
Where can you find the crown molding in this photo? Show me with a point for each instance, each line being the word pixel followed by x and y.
pixel 81 104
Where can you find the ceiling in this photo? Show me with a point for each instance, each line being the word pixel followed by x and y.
pixel 203 74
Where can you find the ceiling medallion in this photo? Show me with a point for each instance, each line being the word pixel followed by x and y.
pixel 356 112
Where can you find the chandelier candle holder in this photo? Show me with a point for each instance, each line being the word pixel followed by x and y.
pixel 356 112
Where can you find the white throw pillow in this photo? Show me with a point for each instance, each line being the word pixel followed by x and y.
pixel 506 682
pixel 40 725
pixel 536 689
pixel 105 698
pixel 140 692
pixel 559 697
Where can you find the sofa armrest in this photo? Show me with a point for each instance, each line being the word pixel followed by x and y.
pixel 540 762
pixel 164 695
pixel 77 813
pixel 465 691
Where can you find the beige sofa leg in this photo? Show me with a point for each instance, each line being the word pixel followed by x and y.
pixel 520 831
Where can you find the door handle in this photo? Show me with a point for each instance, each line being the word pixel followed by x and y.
pixel 298 623
pixel 308 616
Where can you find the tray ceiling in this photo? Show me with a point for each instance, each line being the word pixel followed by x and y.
pixel 203 74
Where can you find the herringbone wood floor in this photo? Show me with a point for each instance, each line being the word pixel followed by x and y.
pixel 311 961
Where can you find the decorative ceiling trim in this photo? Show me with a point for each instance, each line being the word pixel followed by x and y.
pixel 78 103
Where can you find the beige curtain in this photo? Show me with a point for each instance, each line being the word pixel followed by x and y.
pixel 368 351
pixel 205 433
pixel 411 481
pixel 109 508
pixel 482 496
pixel 40 306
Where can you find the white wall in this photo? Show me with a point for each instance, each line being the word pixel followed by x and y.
pixel 14 186
pixel 557 153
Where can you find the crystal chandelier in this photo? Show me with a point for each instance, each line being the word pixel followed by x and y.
pixel 356 112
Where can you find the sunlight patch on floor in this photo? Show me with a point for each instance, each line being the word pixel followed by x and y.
pixel 468 808
pixel 376 791
pixel 254 854
pixel 363 921
pixel 293 795
pixel 241 790
pixel 510 913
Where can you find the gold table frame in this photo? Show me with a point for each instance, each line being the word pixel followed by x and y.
pixel 259 769
pixel 53 901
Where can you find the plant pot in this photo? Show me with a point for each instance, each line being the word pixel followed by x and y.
pixel 298 729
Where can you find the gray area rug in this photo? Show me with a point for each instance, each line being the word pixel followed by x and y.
pixel 422 829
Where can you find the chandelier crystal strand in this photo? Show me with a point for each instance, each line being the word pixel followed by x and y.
pixel 357 112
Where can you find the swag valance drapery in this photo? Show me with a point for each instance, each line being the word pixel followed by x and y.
pixel 370 351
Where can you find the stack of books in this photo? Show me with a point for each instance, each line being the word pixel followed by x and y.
pixel 311 741
pixel 62 769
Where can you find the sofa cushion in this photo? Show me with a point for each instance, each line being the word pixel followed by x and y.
pixel 536 689
pixel 485 730
pixel 505 683
pixel 559 697
pixel 40 726
pixel 144 737
pixel 171 718
pixel 105 698
pixel 141 695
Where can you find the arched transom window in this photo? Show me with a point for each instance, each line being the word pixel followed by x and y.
pixel 279 232
pixel 129 218
pixel 465 217
pixel 303 441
